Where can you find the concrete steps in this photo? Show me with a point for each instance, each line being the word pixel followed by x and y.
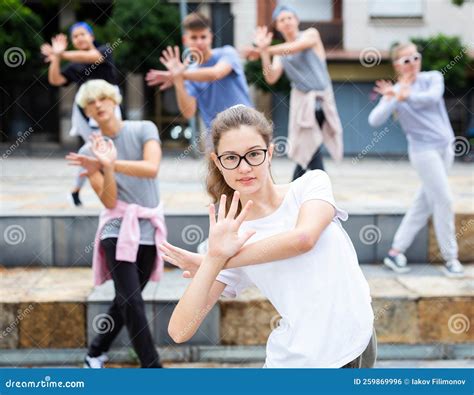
pixel 453 356
pixel 420 315
pixel 59 240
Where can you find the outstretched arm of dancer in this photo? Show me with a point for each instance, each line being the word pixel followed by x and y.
pixel 174 76
pixel 171 57
pixel 148 167
pixel 204 290
pixel 272 69
pixel 314 216
pixel 309 38
pixel 386 105
pixel 52 53
pixel 432 95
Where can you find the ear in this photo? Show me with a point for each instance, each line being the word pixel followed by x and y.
pixel 216 161
pixel 271 147
pixel 184 39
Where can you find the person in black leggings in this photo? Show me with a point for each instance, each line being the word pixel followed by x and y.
pixel 316 161
pixel 128 307
pixel 120 182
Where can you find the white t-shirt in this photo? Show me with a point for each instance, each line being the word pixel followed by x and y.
pixel 322 295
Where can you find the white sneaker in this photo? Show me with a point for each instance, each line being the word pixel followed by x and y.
pixel 397 263
pixel 453 268
pixel 95 362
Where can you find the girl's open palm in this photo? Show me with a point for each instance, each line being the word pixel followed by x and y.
pixel 384 88
pixel 224 240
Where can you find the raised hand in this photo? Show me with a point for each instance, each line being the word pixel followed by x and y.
pixel 171 60
pixel 103 149
pixel 263 38
pixel 187 261
pixel 59 44
pixel 384 88
pixel 162 78
pixel 47 52
pixel 224 240
pixel 90 164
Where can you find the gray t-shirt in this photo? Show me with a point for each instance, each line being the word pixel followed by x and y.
pixel 129 143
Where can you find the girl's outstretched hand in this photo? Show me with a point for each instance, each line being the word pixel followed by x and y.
pixel 187 261
pixel 224 240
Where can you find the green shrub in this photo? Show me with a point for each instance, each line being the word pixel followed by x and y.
pixel 447 55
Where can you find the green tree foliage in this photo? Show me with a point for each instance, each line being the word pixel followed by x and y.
pixel 140 31
pixel 19 39
pixel 447 55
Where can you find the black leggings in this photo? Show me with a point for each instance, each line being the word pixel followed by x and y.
pixel 316 161
pixel 128 307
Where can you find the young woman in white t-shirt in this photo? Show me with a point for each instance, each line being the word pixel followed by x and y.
pixel 288 241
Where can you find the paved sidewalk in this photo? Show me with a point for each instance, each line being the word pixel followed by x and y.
pixel 40 186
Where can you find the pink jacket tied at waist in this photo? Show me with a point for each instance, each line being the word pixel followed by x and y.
pixel 129 238
pixel 304 134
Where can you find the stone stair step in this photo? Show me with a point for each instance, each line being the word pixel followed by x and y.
pixel 388 355
pixel 66 240
pixel 56 307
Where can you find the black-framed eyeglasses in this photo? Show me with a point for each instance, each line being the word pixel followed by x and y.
pixel 254 158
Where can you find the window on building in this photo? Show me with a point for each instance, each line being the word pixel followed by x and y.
pixel 312 11
pixel 396 8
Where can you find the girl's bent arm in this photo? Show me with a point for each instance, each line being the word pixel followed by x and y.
pixel 196 302
pixel 313 218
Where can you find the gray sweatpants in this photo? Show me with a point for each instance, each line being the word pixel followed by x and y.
pixel 433 198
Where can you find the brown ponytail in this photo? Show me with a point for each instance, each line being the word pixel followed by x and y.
pixel 232 118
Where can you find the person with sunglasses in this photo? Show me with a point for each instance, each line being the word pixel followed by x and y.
pixel 287 240
pixel 417 99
